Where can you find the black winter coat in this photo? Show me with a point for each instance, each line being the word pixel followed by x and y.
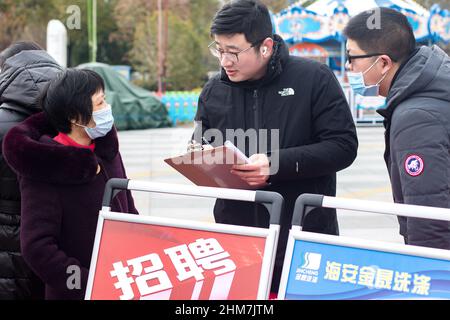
pixel 21 82
pixel 417 155
pixel 317 137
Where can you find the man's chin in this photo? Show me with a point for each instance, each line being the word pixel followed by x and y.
pixel 236 78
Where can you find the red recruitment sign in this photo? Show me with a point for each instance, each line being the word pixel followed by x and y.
pixel 145 261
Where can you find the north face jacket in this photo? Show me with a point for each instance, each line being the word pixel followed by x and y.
pixel 303 100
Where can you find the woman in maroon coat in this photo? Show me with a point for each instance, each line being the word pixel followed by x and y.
pixel 63 158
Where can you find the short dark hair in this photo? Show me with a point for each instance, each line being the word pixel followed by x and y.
pixel 250 17
pixel 394 37
pixel 16 48
pixel 69 97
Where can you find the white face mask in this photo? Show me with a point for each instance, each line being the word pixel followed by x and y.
pixel 358 84
pixel 104 122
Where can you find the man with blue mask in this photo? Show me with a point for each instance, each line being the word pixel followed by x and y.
pixel 415 82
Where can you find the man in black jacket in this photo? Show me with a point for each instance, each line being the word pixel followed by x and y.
pixel 294 107
pixel 25 68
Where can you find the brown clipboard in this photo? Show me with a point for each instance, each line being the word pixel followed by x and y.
pixel 210 168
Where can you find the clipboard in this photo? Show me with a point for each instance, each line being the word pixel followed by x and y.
pixel 211 168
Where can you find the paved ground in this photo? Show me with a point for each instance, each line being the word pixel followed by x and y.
pixel 143 152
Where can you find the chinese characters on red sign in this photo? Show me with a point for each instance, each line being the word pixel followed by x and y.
pixel 143 261
pixel 190 261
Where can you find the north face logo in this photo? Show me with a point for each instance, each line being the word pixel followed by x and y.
pixel 287 92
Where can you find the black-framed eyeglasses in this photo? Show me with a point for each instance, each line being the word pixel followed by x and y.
pixel 231 56
pixel 350 57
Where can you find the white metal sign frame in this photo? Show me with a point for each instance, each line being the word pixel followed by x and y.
pixel 273 201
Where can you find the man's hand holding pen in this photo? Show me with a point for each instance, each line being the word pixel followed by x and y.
pixel 197 146
pixel 256 173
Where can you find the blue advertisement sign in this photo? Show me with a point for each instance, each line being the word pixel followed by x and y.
pixel 322 271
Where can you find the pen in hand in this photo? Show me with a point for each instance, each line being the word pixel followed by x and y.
pixel 196 146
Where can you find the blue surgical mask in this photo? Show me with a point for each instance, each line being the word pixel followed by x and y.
pixel 358 84
pixel 104 121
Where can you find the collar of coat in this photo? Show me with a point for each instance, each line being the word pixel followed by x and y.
pixel 30 150
pixel 388 112
pixel 275 67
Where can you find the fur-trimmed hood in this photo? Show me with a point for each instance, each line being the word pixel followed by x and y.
pixel 30 150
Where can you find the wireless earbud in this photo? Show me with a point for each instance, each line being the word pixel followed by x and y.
pixel 264 50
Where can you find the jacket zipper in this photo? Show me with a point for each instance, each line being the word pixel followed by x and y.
pixel 256 112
